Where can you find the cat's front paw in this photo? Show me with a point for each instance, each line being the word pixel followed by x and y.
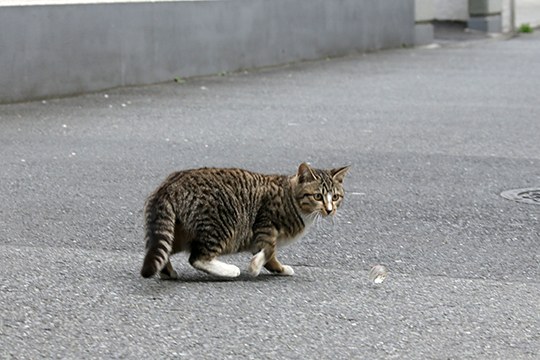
pixel 256 263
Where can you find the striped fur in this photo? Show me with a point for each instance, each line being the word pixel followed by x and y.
pixel 210 212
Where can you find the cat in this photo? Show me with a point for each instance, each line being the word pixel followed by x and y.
pixel 213 211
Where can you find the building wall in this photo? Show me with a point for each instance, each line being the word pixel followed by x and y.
pixel 56 50
pixel 506 15
pixel 453 10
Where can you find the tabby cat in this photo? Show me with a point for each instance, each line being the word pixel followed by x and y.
pixel 210 212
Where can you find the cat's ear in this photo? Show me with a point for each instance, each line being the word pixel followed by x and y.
pixel 305 173
pixel 339 173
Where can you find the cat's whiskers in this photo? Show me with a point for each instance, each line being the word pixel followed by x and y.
pixel 317 218
pixel 312 218
pixel 336 219
pixel 320 219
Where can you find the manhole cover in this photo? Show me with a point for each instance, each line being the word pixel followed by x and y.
pixel 528 196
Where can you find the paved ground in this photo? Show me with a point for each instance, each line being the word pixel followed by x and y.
pixel 433 137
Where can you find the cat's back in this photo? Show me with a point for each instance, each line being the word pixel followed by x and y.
pixel 207 178
pixel 210 186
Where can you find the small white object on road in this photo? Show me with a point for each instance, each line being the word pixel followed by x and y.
pixel 378 274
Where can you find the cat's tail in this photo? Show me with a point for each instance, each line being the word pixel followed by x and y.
pixel 159 223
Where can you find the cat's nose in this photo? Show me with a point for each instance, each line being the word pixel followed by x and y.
pixel 328 212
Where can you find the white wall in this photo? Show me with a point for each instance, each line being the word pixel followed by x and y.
pixel 457 10
pixel 506 13
pixel 451 10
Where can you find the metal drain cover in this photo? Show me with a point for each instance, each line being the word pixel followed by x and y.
pixel 527 196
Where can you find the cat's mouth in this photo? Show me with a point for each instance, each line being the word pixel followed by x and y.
pixel 319 215
pixel 327 213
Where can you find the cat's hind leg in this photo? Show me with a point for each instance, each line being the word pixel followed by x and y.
pixel 216 267
pixel 168 273
pixel 203 257
pixel 205 248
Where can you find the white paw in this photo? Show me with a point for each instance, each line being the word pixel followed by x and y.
pixel 231 271
pixel 287 271
pixel 218 268
pixel 256 263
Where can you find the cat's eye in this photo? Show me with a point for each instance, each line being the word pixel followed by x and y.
pixel 317 196
pixel 335 197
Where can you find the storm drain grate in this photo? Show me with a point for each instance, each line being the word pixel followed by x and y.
pixel 527 196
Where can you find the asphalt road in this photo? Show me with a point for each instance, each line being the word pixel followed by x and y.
pixel 433 137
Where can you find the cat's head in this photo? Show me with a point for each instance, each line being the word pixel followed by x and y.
pixel 319 191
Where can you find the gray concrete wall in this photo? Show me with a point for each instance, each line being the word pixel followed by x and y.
pixel 56 50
